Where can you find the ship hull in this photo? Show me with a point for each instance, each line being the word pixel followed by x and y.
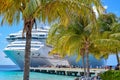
pixel 35 60
pixel 38 58
pixel 94 63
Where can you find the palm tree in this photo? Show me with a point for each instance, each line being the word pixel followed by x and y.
pixel 11 11
pixel 74 40
pixel 108 41
pixel 116 35
pixel 85 8
pixel 58 35
pixel 109 26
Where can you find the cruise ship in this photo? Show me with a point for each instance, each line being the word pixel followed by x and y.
pixel 15 50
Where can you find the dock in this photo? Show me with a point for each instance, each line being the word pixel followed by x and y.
pixel 65 71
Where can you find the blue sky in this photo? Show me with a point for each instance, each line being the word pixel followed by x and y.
pixel 6 30
pixel 112 6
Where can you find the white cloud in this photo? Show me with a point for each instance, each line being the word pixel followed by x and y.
pixel 0 34
pixel 96 12
pixel 105 7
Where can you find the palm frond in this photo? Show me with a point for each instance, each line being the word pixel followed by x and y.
pixel 115 36
pixel 116 27
pixel 30 8
pixel 10 12
pixel 108 45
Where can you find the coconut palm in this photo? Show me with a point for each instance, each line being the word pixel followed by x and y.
pixel 116 36
pixel 59 40
pixel 12 11
pixel 109 28
pixel 74 40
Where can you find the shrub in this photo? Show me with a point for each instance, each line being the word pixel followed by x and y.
pixel 111 75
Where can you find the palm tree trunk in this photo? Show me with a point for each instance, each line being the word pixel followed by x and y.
pixel 87 63
pixel 82 51
pixel 28 26
pixel 87 58
pixel 83 62
pixel 117 56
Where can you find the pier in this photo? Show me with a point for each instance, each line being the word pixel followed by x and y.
pixel 65 71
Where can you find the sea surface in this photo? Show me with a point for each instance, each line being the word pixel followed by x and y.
pixel 18 75
pixel 14 74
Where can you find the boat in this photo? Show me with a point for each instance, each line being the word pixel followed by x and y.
pixel 39 57
pixel 15 50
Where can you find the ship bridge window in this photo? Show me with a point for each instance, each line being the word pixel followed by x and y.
pixel 21 38
pixel 41 35
pixel 34 38
pixel 11 39
pixel 12 36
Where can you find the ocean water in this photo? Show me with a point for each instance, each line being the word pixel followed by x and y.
pixel 12 72
pixel 18 75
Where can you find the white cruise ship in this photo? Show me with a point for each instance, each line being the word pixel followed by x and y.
pixel 39 50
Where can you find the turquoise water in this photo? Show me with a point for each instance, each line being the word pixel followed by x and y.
pixel 18 75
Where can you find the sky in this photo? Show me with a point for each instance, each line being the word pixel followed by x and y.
pixel 111 5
